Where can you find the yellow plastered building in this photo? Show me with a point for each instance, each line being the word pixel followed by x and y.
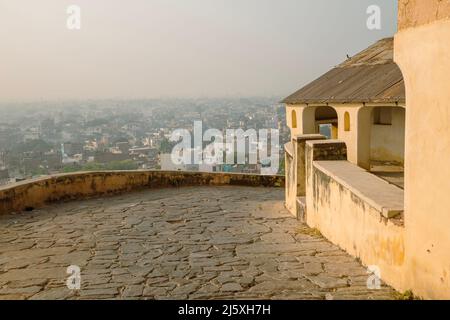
pixel 368 162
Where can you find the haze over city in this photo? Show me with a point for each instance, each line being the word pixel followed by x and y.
pixel 177 48
pixel 234 151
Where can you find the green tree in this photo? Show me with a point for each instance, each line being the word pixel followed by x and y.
pixel 166 146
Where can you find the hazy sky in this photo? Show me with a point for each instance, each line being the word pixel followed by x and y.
pixel 177 48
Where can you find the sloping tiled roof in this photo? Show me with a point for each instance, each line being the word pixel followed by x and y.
pixel 370 76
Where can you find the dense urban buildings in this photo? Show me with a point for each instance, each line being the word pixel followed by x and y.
pixel 46 138
pixel 358 208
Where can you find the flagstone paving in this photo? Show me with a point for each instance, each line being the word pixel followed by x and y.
pixel 188 243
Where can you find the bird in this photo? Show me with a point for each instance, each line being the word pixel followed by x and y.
pixel 348 57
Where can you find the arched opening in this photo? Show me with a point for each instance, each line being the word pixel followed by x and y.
pixel 294 119
pixel 387 144
pixel 327 122
pixel 347 121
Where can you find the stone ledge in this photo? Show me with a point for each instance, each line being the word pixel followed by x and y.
pixel 38 192
pixel 307 137
pixel 379 194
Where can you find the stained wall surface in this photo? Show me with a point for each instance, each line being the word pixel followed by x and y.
pixel 414 13
pixel 422 50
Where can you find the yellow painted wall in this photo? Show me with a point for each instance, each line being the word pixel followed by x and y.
pixel 349 137
pixel 423 54
pixel 299 112
pixel 290 178
pixel 363 140
pixel 387 142
pixel 356 227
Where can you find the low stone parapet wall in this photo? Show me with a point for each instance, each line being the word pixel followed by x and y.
pixel 35 193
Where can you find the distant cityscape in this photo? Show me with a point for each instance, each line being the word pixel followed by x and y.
pixel 38 139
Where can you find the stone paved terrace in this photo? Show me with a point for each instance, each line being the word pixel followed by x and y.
pixel 187 243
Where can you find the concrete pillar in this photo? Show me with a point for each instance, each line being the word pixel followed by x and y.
pixel 299 156
pixel 295 170
pixel 290 183
pixel 309 120
pixel 364 131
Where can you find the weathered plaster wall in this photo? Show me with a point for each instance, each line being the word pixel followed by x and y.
pixel 349 137
pixel 290 185
pixel 413 13
pixel 309 120
pixel 305 119
pixel 295 169
pixel 423 54
pixel 36 193
pixel 366 142
pixel 350 220
pixel 306 124
pixel 387 142
pixel 319 150
pixel 289 120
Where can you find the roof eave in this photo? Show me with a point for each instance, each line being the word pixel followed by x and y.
pixel 374 101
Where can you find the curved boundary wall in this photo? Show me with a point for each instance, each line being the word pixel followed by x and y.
pixel 36 193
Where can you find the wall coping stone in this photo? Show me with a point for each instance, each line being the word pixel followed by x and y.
pixel 386 198
pixel 312 136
